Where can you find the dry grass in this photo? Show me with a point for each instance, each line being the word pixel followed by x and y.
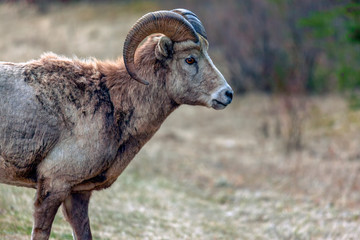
pixel 206 174
pixel 212 175
pixel 82 30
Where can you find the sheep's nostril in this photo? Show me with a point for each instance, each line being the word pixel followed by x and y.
pixel 229 94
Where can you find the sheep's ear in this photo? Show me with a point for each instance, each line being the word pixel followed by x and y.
pixel 164 48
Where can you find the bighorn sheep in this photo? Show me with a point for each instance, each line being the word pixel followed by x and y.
pixel 68 127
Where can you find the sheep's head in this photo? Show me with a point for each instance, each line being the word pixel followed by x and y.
pixel 192 77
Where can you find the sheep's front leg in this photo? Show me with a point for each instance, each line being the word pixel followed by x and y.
pixel 50 195
pixel 75 209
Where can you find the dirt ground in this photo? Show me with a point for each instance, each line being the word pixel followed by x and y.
pixel 267 167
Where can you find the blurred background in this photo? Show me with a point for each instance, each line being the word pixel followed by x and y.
pixel 281 162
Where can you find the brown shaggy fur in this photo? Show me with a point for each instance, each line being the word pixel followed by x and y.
pixel 70 126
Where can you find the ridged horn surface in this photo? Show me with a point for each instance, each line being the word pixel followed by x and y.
pixel 171 24
pixel 193 19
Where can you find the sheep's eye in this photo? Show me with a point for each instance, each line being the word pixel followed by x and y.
pixel 190 60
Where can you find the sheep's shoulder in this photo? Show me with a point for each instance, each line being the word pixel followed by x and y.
pixel 69 88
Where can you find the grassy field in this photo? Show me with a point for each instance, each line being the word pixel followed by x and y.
pixel 267 167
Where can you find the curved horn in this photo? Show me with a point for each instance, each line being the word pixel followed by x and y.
pixel 173 25
pixel 193 19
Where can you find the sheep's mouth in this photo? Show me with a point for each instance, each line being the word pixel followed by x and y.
pixel 217 105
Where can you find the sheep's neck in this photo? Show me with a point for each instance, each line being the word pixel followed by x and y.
pixel 139 111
